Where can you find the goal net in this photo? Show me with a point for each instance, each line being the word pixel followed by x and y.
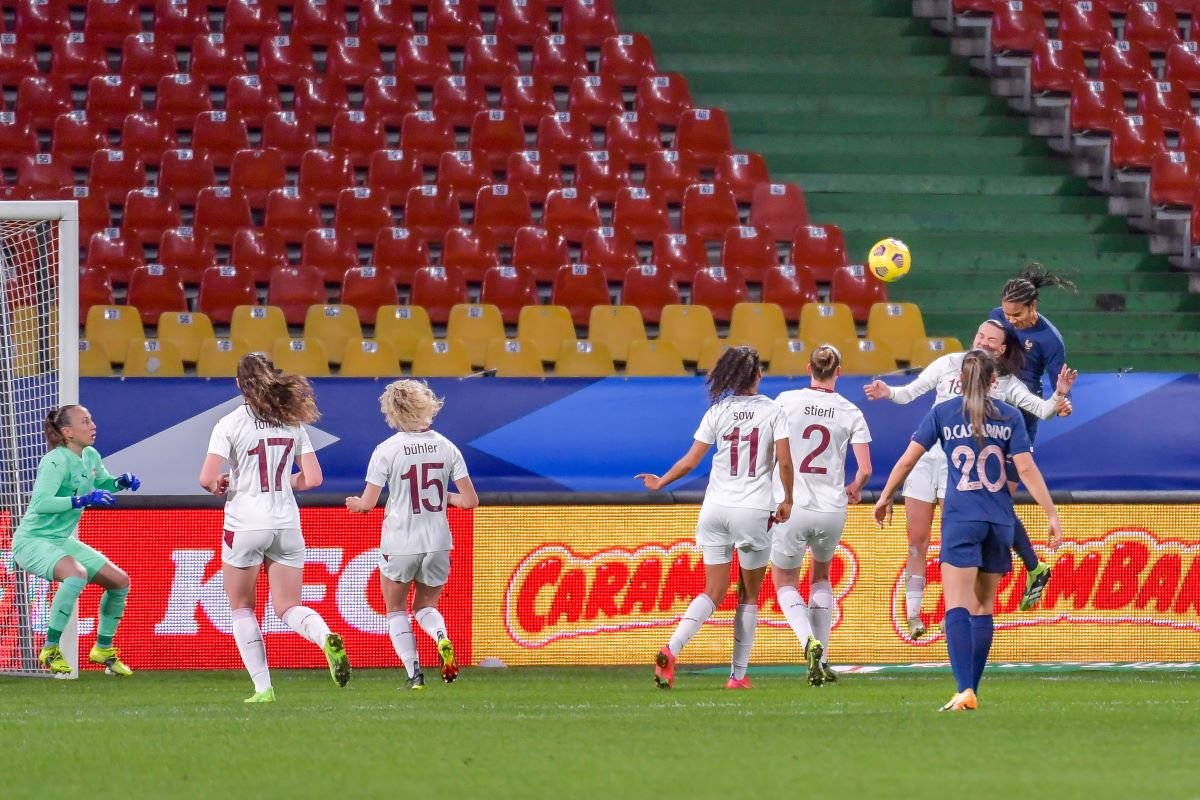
pixel 39 343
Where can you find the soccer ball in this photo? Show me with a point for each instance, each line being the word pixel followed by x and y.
pixel 889 260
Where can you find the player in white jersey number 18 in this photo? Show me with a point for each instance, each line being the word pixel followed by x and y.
pixel 751 435
pixel 261 442
pixel 417 465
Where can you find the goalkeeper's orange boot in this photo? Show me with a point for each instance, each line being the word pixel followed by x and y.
pixel 962 701
pixel 664 668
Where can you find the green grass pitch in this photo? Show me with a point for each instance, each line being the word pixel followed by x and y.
pixel 605 733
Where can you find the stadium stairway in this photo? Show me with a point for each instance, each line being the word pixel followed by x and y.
pixel 890 135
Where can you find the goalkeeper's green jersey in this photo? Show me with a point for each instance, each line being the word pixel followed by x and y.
pixel 62 475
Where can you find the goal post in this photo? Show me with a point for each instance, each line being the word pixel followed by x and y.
pixel 39 369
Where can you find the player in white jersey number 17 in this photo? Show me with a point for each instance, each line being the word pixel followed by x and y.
pixel 751 435
pixel 417 465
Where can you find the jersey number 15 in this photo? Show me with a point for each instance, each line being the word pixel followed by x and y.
pixel 416 495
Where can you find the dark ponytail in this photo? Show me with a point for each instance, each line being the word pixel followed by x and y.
pixel 1025 288
pixel 1013 358
pixel 56 420
pixel 735 372
pixel 274 396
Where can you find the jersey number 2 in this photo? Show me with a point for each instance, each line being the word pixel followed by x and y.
pixel 260 450
pixel 427 482
pixel 822 433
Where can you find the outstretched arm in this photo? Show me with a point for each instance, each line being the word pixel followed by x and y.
pixel 883 506
pixel 681 467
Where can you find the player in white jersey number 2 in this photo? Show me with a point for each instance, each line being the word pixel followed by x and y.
pixel 417 465
pixel 750 432
pixel 822 425
pixel 261 441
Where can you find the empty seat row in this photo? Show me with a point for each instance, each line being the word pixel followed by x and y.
pixel 1018 25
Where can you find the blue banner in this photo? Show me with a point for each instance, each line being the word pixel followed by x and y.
pixel 1133 432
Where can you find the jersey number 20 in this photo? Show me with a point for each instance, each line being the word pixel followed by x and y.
pixel 963 458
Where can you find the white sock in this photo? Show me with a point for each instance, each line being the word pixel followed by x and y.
pixel 792 605
pixel 307 623
pixel 700 609
pixel 403 640
pixel 430 620
pixel 914 592
pixel 745 623
pixel 250 646
pixel 820 612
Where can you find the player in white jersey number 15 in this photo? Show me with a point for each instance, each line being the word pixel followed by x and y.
pixel 261 442
pixel 417 465
pixel 822 425
pixel 751 435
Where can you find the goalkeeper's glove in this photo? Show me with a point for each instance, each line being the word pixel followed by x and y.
pixel 127 480
pixel 97 498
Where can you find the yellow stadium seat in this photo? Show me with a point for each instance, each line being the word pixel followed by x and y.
pixel 866 357
pixel 710 353
pixel 581 359
pixel 33 338
pixel 545 328
pixel 654 359
pixel 366 358
pixel 111 328
pixel 616 327
pixel 93 362
pixel 511 360
pixel 476 325
pixel 219 358
pixel 150 358
pixel 926 350
pixel 334 326
pixel 258 327
pixel 403 327
pixel 441 359
pixel 822 323
pixel 301 357
pixel 689 328
pixel 759 325
pixel 790 357
pixel 185 330
pixel 898 324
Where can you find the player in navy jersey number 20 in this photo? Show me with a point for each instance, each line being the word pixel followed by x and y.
pixel 977 434
pixel 751 435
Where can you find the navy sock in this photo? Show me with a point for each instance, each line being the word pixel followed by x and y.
pixel 1024 547
pixel 959 643
pixel 981 638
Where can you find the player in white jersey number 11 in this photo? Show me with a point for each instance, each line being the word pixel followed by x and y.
pixel 751 435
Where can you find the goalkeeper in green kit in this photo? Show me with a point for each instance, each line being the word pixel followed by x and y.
pixel 70 478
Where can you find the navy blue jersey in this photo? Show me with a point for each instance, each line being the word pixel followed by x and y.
pixel 977 482
pixel 1045 355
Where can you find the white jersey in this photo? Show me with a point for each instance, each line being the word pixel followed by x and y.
pixel 745 430
pixel 945 377
pixel 417 468
pixel 260 456
pixel 822 425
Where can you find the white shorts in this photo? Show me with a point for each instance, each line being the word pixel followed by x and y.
pixel 427 569
pixel 819 531
pixel 249 548
pixel 927 481
pixel 722 529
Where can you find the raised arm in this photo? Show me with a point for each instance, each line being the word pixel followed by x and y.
pixel 902 395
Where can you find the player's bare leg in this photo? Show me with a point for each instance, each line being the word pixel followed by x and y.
pixel 716 586
pixel 918 516
pixel 240 584
pixel 285 595
pixel 745 623
pixel 395 600
pixel 425 600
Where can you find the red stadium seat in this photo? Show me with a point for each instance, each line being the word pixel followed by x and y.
pixel 147 137
pixel 509 289
pixel 41 98
pixel 437 290
pixel 254 97
pixel 366 289
pixel 110 21
pixel 1183 65
pixel 649 287
pixel 720 289
pixel 1173 178
pixel 1055 66
pixel 255 173
pixel 116 255
pixel 522 22
pixel 187 252
pixel 357 135
pixel 750 251
pixel 144 54
pixel 669 173
pixel 322 99
pixel 468 253
pixel 610 250
pixel 40 172
pixel 1127 64
pixel 74 59
pixel 1167 100
pixel 220 134
pixel 534 176
pixel 155 290
pixel 114 175
pixel 293 289
pixel 1136 138
pixel 390 98
pixel 42 23
pixel 1086 24
pixel 401 253
pixel 627 58
pixel 541 252
pixel 495 135
pixel 360 213
pixel 179 99
pixel 285 59
pixel 459 174
pixel 595 98
pixel 558 59
pixel 1017 27
pixel 589 21
pixel 1189 136
pixel 184 173
pixel 390 174
pixel 563 137
pixel 291 213
pixel 501 210
pixel 323 175
pixel 663 97
pixel 708 211
pixel 18 138
pixel 490 59
pixel 328 253
pixel 318 22
pixel 632 136
pixel 570 213
pixel 1095 105
pixel 790 289
pixel 354 60
pixel 423 59
pixel 93 211
pixel 455 21
pixel 177 23
pixel 148 213
pixel 679 255
pixel 704 134
pixel 1152 25
pixel 426 136
pixel 601 175
pixel 250 22
pixel 220 212
pixel 386 23
pixel 819 248
pixel 780 208
pixel 457 99
pixel 222 289
pixel 641 212
pixel 76 137
pixel 854 287
pixel 258 252
pixel 579 287
pixel 529 97
pixel 429 213
pixel 95 289
pixel 290 135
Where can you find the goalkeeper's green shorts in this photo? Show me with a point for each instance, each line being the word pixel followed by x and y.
pixel 38 556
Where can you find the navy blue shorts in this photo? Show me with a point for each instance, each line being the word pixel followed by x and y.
pixel 975 543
